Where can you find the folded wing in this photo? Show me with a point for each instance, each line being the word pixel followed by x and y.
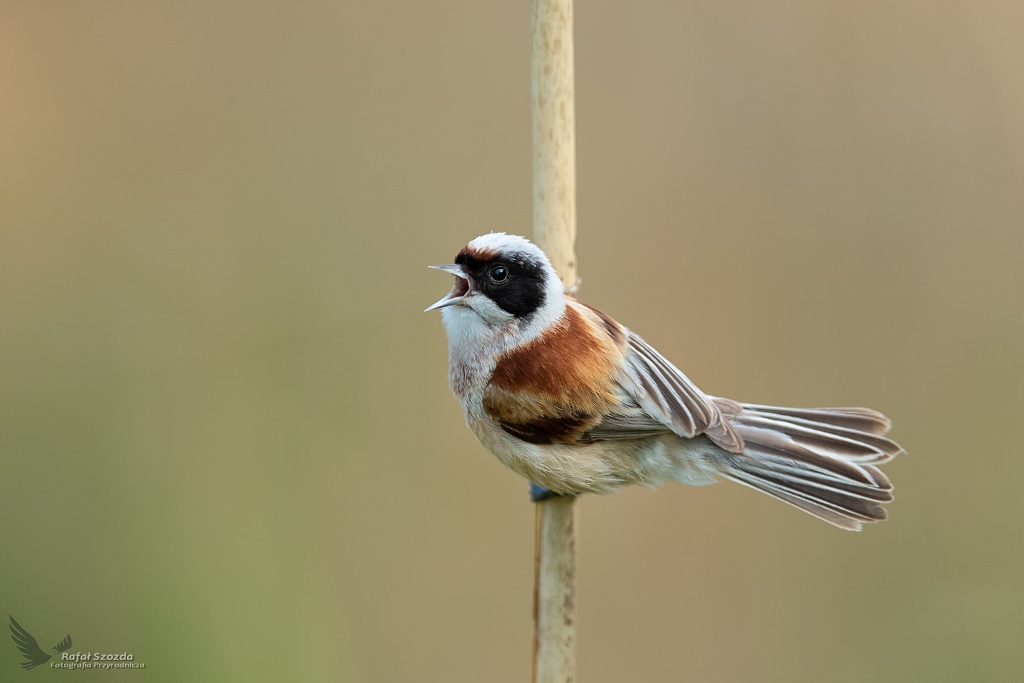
pixel 591 379
pixel 668 396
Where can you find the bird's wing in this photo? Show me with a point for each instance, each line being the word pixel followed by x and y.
pixel 626 420
pixel 28 646
pixel 590 379
pixel 669 397
pixel 63 645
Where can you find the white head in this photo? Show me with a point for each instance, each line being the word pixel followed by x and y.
pixel 504 288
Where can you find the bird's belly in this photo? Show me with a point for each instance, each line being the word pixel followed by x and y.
pixel 573 469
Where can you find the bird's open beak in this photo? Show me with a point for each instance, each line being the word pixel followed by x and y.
pixel 459 291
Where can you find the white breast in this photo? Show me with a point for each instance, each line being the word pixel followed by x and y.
pixel 473 347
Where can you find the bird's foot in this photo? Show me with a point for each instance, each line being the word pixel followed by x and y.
pixel 539 493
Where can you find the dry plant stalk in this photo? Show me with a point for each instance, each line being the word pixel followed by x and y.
pixel 554 231
pixel 554 591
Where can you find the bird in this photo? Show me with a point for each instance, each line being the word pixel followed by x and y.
pixel 578 403
pixel 34 655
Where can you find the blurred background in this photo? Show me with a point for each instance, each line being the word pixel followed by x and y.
pixel 228 443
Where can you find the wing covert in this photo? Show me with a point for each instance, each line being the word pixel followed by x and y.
pixel 667 395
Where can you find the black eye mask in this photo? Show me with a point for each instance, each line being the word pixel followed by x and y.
pixel 521 290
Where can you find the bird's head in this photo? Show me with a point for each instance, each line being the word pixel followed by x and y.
pixel 506 282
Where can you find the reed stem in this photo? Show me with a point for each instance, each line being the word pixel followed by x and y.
pixel 554 230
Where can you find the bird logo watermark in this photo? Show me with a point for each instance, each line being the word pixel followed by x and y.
pixel 35 655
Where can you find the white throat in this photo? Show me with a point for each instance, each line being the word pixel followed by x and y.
pixel 479 332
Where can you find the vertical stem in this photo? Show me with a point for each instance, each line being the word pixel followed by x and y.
pixel 554 134
pixel 554 231
pixel 554 591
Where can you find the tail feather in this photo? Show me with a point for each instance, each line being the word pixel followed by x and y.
pixel 860 447
pixel 782 469
pixel 839 515
pixel 819 460
pixel 857 419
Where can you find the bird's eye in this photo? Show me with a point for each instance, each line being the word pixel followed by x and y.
pixel 499 273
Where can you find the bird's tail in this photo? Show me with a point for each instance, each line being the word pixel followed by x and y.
pixel 821 460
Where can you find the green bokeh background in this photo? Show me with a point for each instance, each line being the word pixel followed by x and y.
pixel 227 444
